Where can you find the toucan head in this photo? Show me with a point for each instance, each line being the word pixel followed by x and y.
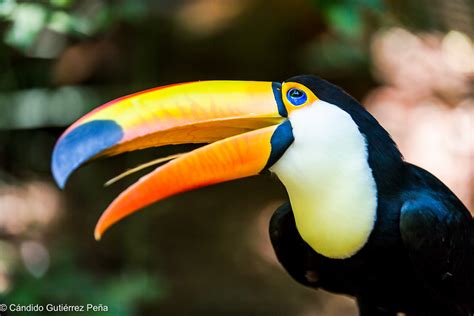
pixel 299 129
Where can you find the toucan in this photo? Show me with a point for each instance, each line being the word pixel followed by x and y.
pixel 360 221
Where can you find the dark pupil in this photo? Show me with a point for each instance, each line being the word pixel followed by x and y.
pixel 295 93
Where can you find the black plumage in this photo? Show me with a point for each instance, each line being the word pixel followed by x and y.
pixel 419 258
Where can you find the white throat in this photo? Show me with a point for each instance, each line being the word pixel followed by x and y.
pixel 329 181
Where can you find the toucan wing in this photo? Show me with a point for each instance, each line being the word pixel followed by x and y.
pixel 436 230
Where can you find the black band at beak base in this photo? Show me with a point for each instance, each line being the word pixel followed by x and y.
pixel 281 139
pixel 276 86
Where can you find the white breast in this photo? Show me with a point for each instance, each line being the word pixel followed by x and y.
pixel 328 179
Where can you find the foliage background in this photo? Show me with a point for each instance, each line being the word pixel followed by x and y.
pixel 204 252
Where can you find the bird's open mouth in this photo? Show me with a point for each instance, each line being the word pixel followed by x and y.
pixel 242 121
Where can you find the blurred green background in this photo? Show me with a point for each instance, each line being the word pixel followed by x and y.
pixel 205 252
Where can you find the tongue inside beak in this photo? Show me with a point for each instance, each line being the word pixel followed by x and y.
pixel 240 119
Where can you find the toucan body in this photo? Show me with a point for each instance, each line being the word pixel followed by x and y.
pixel 360 220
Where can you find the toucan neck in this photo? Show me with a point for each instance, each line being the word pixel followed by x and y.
pixel 329 181
pixel 384 158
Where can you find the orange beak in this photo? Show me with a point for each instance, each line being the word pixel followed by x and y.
pixel 243 121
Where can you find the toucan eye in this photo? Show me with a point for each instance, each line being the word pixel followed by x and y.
pixel 296 96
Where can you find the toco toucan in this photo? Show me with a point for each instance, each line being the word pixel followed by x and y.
pixel 360 220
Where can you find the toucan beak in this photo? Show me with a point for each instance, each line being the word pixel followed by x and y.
pixel 243 120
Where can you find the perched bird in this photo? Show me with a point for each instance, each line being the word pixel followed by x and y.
pixel 360 220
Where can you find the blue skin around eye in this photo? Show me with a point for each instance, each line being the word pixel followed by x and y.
pixel 81 144
pixel 296 100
